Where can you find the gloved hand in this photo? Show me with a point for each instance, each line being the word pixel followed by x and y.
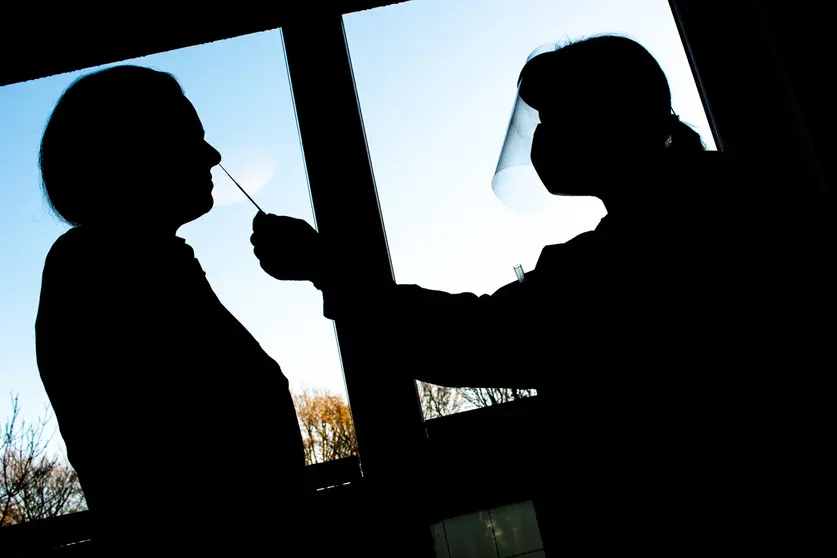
pixel 288 249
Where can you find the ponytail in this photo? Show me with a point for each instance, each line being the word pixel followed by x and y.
pixel 683 139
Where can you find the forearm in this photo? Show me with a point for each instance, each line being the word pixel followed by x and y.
pixel 436 337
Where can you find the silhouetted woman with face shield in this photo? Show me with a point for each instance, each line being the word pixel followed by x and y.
pixel 180 426
pixel 631 333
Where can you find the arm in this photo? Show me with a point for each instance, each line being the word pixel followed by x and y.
pixel 72 352
pixel 502 340
pixel 450 339
pixel 95 352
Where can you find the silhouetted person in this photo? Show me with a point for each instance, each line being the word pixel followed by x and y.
pixel 665 345
pixel 181 427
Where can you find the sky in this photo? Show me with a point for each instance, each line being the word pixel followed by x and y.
pixel 436 82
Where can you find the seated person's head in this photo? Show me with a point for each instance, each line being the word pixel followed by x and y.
pixel 125 147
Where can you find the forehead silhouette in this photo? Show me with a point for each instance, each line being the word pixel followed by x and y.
pixel 123 101
pixel 595 74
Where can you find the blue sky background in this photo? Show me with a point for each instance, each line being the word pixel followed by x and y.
pixel 436 82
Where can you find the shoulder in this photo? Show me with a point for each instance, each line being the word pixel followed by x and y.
pixel 574 250
pixel 64 270
pixel 76 264
pixel 71 248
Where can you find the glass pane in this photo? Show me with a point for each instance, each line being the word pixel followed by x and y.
pixel 471 536
pixel 241 92
pixel 503 532
pixel 516 529
pixel 436 82
pixel 440 541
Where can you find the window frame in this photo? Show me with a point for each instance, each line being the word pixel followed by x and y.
pixel 394 452
pixel 347 214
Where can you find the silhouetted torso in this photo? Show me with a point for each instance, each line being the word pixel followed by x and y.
pixel 181 427
pixel 668 347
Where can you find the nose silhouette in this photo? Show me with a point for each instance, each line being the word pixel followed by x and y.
pixel 213 154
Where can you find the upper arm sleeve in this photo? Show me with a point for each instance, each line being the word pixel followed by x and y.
pixel 94 352
pixel 450 339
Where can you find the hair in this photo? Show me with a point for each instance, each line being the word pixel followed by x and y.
pixel 683 139
pixel 92 132
pixel 622 79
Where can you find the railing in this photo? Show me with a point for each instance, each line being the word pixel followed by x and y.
pixel 479 459
pixel 70 535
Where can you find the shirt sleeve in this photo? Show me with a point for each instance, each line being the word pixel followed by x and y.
pixel 505 339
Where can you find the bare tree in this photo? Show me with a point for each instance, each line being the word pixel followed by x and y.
pixel 34 483
pixel 485 397
pixel 439 401
pixel 328 432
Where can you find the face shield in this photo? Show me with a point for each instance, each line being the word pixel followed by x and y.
pixel 515 182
